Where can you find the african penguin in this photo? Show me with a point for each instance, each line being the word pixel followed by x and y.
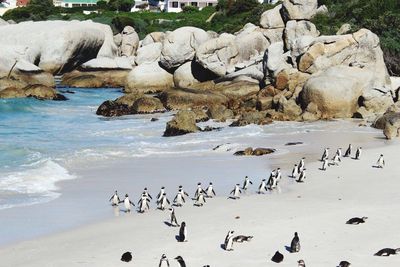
pixel 115 199
pixel 387 252
pixel 228 244
pixel 381 162
pixel 182 233
pixel 162 260
pixel 180 261
pixel 295 244
pixel 356 220
pixel 246 183
pixel 210 191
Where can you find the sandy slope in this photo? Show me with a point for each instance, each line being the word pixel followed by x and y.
pixel 316 209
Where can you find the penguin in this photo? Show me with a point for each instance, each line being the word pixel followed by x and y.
pixel 271 179
pixel 127 203
pixel 200 200
pixel 242 238
pixel 335 160
pixel 324 165
pixel 295 171
pixel 348 151
pixel 228 244
pixel 162 191
pixel 278 257
pixel 183 191
pixel 126 257
pixel 182 233
pixel 262 189
pixel 387 252
pixel 163 202
pixel 180 261
pixel 174 221
pixel 115 199
pixel 301 165
pixel 339 152
pixel 356 220
pixel 236 192
pixel 162 260
pixel 143 203
pixel 344 264
pixel 246 183
pixel 278 174
pixel 325 155
pixel 302 176
pixel 358 153
pixel 381 162
pixel 295 244
pixel 276 178
pixel 147 193
pixel 179 198
pixel 210 191
pixel 301 263
pixel 198 191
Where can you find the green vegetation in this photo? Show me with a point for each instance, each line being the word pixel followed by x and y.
pixel 380 16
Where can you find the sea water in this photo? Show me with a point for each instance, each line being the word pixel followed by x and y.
pixel 39 140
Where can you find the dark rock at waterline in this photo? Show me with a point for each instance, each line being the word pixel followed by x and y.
pixel 209 129
pixel 256 152
pixel 293 143
pixel 111 108
pixel 38 91
pixel 252 117
pixel 67 92
pixel 184 122
pixel 154 119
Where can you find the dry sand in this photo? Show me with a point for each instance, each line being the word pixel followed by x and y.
pixel 316 209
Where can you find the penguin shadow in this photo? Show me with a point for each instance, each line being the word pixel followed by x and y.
pixel 321 169
pixel 288 249
pixel 222 246
pixel 376 167
pixel 169 224
pixel 234 198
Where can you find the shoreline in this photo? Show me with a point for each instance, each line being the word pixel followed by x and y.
pixel 270 218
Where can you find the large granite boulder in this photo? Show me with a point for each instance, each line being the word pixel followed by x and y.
pixel 180 46
pixel 298 29
pixel 191 73
pixel 299 9
pixel 147 105
pixel 149 78
pixel 154 37
pixel 272 18
pixel 129 41
pixel 148 54
pixel 252 117
pixel 184 122
pixel 276 59
pixel 118 107
pixel 37 91
pixel 60 46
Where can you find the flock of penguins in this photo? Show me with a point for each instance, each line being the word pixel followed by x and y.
pixel 200 196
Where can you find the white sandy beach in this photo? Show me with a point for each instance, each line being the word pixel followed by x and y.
pixel 316 209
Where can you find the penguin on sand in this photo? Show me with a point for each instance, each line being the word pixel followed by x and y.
pixel 348 151
pixel 162 260
pixel 210 191
pixel 262 189
pixel 200 200
pixel 301 263
pixel 127 203
pixel 295 244
pixel 386 252
pixel 324 165
pixel 183 191
pixel 344 264
pixel 144 203
pixel 182 237
pixel 162 191
pixel 325 155
pixel 179 198
pixel 295 171
pixel 246 183
pixel 198 191
pixel 228 244
pixel 236 192
pixel 335 160
pixel 381 162
pixel 174 221
pixel 358 153
pixel 115 199
pixel 356 220
pixel 147 193
pixel 163 202
pixel 302 176
pixel 301 165
pixel 339 152
pixel 180 261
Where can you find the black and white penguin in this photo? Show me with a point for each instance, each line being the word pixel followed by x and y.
pixel 236 192
pixel 356 220
pixel 180 261
pixel 271 179
pixel 358 153
pixel 339 152
pixel 302 176
pixel 324 165
pixel 344 264
pixel 242 238
pixel 246 183
pixel 210 191
pixel 348 151
pixel 200 200
pixel 143 203
pixel 147 193
pixel 115 199
pixel 295 171
pixel 295 244
pixel 262 189
pixel 182 233
pixel 325 155
pixel 163 202
pixel 163 260
pixel 179 198
pixel 381 162
pixel 126 257
pixel 301 165
pixel 184 192
pixel 278 257
pixel 162 191
pixel 387 252
pixel 174 221
pixel 301 263
pixel 228 244
pixel 127 203
pixel 198 191
pixel 335 160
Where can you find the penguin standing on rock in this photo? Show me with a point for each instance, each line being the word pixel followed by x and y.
pixel 179 198
pixel 127 203
pixel 228 244
pixel 182 237
pixel 174 221
pixel 262 189
pixel 210 191
pixel 246 183
pixel 358 153
pixel 295 244
pixel 144 203
pixel 162 260
pixel 381 162
pixel 180 261
pixel 236 192
pixel 163 202
pixel 348 151
pixel 295 171
pixel 115 199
